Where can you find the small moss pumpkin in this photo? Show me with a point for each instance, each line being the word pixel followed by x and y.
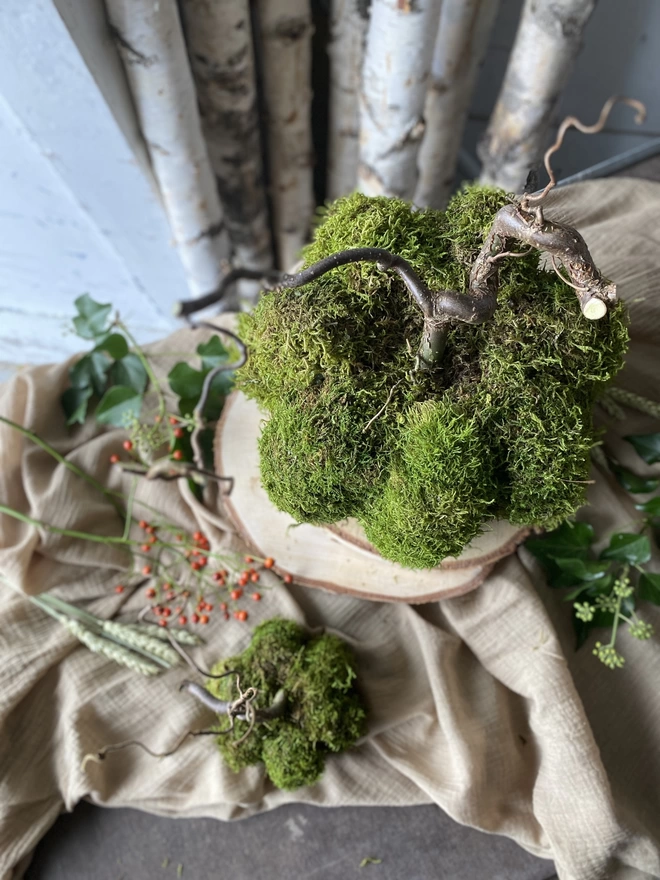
pixel 324 711
pixel 501 428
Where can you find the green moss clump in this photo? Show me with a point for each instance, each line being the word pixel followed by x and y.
pixel 324 711
pixel 502 427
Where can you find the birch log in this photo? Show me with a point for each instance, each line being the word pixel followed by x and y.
pixel 348 30
pixel 285 41
pixel 219 39
pixel 547 43
pixel 151 45
pixel 465 27
pixel 397 67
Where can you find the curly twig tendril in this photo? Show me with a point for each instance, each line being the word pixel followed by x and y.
pixel 574 122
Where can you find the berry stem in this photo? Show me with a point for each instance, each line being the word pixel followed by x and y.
pixel 110 495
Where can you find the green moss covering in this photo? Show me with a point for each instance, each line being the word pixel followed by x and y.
pixel 324 712
pixel 501 428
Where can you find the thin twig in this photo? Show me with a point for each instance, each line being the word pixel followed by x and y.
pixel 188 659
pixel 561 277
pixel 99 757
pixel 268 277
pixel 572 121
pixel 167 469
pixel 198 412
pixel 383 407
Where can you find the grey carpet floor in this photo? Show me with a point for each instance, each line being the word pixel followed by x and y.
pixel 291 843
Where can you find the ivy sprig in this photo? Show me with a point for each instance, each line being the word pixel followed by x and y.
pixel 110 374
pixel 113 378
pixel 605 589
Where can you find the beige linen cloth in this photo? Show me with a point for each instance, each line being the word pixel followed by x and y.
pixel 478 703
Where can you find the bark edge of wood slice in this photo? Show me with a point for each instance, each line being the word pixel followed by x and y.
pixel 338 557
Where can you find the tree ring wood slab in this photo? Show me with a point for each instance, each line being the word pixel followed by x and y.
pixel 338 557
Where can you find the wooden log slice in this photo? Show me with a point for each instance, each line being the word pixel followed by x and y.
pixel 337 557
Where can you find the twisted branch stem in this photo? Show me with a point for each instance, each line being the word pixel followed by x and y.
pixel 573 122
pixel 235 708
pixel 521 222
pixel 99 757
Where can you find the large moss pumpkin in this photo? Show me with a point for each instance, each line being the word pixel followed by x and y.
pixel 502 427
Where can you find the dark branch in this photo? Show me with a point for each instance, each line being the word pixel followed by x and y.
pixel 236 708
pixel 268 277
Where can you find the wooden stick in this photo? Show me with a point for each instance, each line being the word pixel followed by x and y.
pixel 152 48
pixel 397 67
pixel 285 45
pixel 219 39
pixel 547 43
pixel 465 27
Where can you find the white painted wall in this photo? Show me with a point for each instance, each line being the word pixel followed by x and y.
pixel 78 209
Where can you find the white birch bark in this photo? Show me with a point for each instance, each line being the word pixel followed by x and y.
pixel 348 31
pixel 397 67
pixel 152 48
pixel 285 40
pixel 465 27
pixel 219 40
pixel 547 43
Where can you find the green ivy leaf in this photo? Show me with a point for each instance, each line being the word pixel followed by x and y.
pixel 118 404
pixel 91 320
pixel 652 506
pixel 573 595
pixel 581 628
pixel 130 372
pixel 635 549
pixel 213 353
pixel 74 404
pixel 571 540
pixel 90 371
pixel 601 587
pixel 583 570
pixel 648 587
pixel 633 483
pixel 185 381
pixel 647 446
pixel 115 345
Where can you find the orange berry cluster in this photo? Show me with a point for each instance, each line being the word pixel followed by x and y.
pixel 176 454
pixel 190 604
